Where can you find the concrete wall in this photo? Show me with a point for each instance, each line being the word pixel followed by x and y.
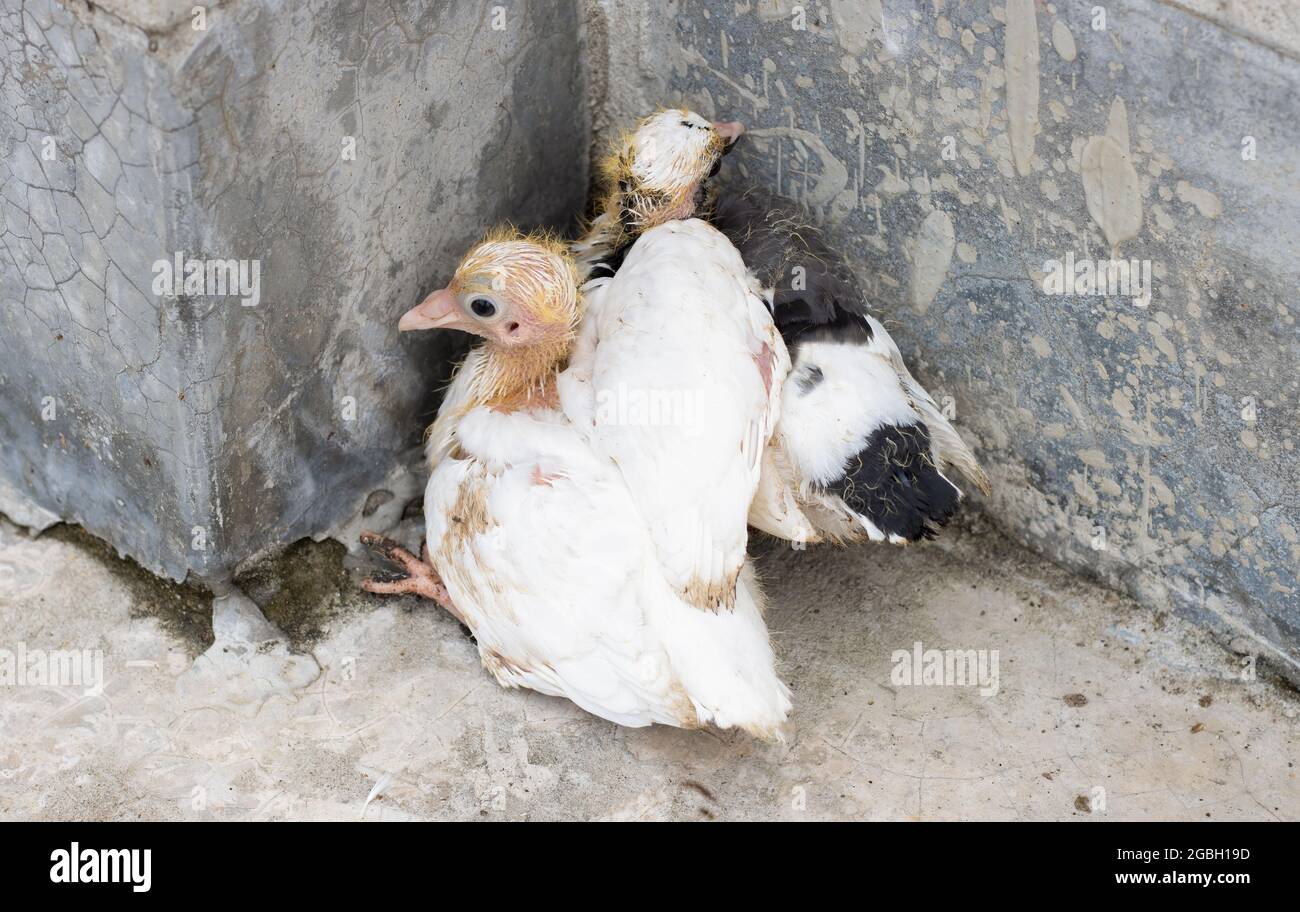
pixel 955 148
pixel 350 150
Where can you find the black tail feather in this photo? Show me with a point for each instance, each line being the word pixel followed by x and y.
pixel 894 483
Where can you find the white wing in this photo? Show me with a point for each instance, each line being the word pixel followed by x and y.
pixel 686 369
pixel 547 558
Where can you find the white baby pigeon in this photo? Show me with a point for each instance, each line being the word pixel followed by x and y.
pixel 535 539
pixel 678 357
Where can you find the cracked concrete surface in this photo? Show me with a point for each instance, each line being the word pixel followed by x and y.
pixel 1103 710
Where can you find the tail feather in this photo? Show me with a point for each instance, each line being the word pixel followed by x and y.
pixel 894 486
pixel 949 448
pixel 724 660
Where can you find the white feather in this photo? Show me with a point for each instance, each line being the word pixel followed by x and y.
pixel 825 427
pixel 545 554
pixel 682 321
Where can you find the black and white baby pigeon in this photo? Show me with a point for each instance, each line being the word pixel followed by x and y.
pixel 866 445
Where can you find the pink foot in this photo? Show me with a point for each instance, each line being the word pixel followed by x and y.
pixel 416 575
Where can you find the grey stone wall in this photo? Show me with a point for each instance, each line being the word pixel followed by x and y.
pixel 350 150
pixel 954 149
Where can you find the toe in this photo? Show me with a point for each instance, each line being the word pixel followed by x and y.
pixel 383 587
pixel 413 565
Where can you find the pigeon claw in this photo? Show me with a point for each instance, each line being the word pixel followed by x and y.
pixel 410 575
pixel 385 547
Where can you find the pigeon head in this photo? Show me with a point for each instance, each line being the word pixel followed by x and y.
pixel 517 291
pixel 660 170
pixel 520 293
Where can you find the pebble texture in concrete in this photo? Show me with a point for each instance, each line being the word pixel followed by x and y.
pixel 1101 710
pixel 956 149
pixel 347 152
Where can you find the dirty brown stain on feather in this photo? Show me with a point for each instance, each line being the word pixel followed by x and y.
pixel 469 515
pixel 501 666
pixel 712 595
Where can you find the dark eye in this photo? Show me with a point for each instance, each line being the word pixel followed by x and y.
pixel 482 307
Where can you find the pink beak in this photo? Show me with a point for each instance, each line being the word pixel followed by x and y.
pixel 729 130
pixel 440 310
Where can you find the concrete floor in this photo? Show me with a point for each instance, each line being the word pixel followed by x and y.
pixel 1102 711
